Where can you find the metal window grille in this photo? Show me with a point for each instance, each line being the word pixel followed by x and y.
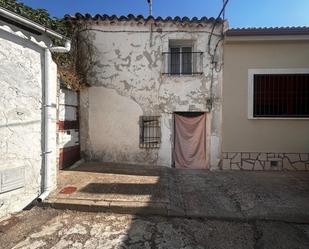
pixel 150 132
pixel 281 95
pixel 186 62
pixel 182 61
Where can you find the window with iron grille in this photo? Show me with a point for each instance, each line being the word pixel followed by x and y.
pixel 281 95
pixel 182 60
pixel 150 132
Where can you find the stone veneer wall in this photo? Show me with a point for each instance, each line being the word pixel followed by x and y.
pixel 265 161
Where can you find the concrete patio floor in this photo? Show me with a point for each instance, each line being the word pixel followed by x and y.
pixel 49 228
pixel 228 195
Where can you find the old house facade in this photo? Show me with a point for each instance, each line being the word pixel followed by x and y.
pixel 153 85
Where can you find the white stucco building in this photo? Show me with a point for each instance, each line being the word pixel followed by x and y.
pixel 142 75
pixel 28 82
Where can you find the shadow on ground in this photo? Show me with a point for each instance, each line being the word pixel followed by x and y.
pixel 198 209
pixel 51 228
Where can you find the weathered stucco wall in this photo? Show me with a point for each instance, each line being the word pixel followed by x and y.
pixel 261 140
pixel 124 65
pixel 68 127
pixel 21 126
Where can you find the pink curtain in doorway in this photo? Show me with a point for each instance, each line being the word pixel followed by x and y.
pixel 190 142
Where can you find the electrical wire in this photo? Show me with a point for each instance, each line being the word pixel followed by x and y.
pixel 214 26
pixel 146 31
pixel 212 56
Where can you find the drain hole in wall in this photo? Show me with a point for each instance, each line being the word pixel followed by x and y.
pixel 274 163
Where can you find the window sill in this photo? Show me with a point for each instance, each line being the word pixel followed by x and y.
pixel 277 118
pixel 147 146
pixel 182 75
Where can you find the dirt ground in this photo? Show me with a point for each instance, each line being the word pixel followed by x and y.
pixel 50 228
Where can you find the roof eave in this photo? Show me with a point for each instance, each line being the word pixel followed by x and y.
pixel 279 31
pixel 130 17
pixel 261 38
pixel 29 23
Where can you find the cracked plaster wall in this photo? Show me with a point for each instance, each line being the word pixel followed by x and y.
pixel 124 71
pixel 21 126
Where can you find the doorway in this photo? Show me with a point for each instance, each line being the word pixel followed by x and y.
pixel 189 140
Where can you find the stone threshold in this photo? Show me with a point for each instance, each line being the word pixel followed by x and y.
pixel 112 206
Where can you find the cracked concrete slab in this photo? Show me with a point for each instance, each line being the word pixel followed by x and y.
pixel 132 189
pixel 50 228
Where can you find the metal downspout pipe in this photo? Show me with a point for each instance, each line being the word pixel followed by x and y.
pixel 48 115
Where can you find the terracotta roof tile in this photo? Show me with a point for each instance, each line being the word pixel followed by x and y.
pixel 131 17
pixel 268 31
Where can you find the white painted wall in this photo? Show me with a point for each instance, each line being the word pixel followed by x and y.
pixel 67 111
pixel 21 126
pixel 124 67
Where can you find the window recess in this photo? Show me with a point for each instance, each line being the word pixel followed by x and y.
pixel 150 132
pixel 281 95
pixel 182 61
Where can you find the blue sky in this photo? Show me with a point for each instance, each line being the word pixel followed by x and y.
pixel 240 13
